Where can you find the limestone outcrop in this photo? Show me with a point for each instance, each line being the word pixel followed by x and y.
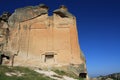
pixel 35 39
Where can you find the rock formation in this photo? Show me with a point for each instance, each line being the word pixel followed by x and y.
pixel 38 40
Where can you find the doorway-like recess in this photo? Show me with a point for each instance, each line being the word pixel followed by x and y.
pixel 49 58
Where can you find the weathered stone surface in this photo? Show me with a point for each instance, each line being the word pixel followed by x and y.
pixel 27 13
pixel 63 12
pixel 4 31
pixel 5 16
pixel 38 40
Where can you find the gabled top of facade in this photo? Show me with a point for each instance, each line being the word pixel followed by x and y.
pixel 31 12
pixel 63 12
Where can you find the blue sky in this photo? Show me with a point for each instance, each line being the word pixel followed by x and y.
pixel 98 23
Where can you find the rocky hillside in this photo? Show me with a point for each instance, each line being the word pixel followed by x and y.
pixel 114 76
pixel 23 73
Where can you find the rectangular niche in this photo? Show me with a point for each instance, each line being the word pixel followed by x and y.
pixel 49 57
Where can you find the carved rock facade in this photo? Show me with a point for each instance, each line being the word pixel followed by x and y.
pixel 38 40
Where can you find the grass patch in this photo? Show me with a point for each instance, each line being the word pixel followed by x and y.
pixel 60 72
pixel 28 74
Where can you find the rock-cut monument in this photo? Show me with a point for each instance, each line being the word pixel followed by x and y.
pixel 34 39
